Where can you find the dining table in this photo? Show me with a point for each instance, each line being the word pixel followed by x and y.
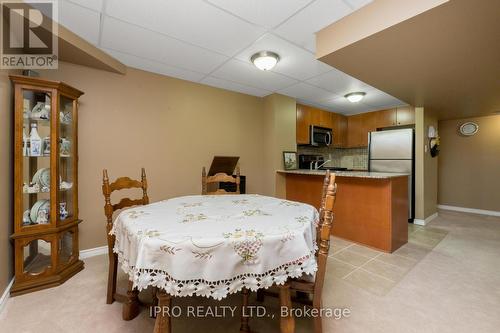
pixel 214 246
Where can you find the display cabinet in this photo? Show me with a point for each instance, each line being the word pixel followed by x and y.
pixel 46 219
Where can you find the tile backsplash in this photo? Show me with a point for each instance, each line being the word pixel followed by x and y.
pixel 351 158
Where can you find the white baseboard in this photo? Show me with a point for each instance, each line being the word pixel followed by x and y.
pixel 96 251
pixel 470 210
pixel 426 221
pixel 6 295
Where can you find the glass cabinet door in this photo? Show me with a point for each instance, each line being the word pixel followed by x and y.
pixel 36 158
pixel 67 159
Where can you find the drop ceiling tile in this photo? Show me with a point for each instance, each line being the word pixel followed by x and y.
pixel 266 13
pixel 154 67
pixel 193 21
pixel 294 61
pixel 307 92
pixel 342 105
pixel 357 4
pixel 233 86
pixel 377 98
pixel 301 28
pixel 82 21
pixel 131 39
pixel 338 82
pixel 91 4
pixel 247 74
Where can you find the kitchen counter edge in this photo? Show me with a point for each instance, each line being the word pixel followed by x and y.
pixel 358 174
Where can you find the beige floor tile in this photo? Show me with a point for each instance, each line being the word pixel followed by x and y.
pixel 389 271
pixel 340 242
pixel 423 240
pixel 351 257
pixel 364 251
pixel 413 251
pixel 393 259
pixel 338 268
pixel 334 247
pixel 370 282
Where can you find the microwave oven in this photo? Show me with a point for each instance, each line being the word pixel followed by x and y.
pixel 320 136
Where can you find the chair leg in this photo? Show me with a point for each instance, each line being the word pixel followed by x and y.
pixel 318 323
pixel 287 322
pixel 154 291
pixel 131 305
pixel 113 267
pixel 260 295
pixel 163 323
pixel 244 327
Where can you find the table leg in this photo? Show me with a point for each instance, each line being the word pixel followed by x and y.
pixel 287 323
pixel 163 323
pixel 131 305
pixel 244 328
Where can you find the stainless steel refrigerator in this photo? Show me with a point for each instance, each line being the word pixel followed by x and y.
pixel 394 151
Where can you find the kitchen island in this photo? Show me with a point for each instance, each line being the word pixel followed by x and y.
pixel 371 207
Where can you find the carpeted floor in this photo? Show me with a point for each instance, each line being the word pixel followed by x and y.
pixel 447 279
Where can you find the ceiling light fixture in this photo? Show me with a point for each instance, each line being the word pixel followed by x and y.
pixel 355 97
pixel 265 60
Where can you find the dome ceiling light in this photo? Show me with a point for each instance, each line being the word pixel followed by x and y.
pixel 355 97
pixel 265 60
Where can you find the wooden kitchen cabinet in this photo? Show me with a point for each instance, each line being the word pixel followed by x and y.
pixel 386 118
pixel 303 121
pixel 307 116
pixel 405 116
pixel 355 130
pixel 339 130
pixel 352 131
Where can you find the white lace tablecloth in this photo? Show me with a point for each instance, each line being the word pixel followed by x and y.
pixel 216 245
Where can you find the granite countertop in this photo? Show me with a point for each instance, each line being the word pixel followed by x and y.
pixel 359 174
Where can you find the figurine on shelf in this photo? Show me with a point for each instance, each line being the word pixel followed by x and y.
pixel 65 185
pixel 26 141
pixel 41 111
pixel 35 142
pixel 26 108
pixel 46 146
pixel 63 213
pixel 26 217
pixel 65 147
pixel 31 188
pixel 42 216
pixel 65 118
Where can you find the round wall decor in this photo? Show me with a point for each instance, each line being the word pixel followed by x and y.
pixel 469 128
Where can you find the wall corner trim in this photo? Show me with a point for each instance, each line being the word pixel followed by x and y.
pixel 6 295
pixel 96 251
pixel 470 210
pixel 426 221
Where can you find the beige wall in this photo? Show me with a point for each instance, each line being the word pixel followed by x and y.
pixel 169 126
pixel 6 171
pixel 426 167
pixel 279 133
pixel 469 167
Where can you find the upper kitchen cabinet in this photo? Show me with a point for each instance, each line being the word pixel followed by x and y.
pixel 303 120
pixel 386 118
pixel 339 130
pixel 400 116
pixel 358 127
pixel 307 116
pixel 405 115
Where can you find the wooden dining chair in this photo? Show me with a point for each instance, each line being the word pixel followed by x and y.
pixel 207 181
pixel 306 284
pixel 121 183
